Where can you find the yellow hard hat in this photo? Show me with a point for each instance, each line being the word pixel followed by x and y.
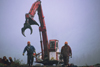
pixel 66 42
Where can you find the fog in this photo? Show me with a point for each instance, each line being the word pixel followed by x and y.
pixel 75 21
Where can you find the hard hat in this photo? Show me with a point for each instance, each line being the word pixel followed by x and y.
pixel 28 42
pixel 10 58
pixel 66 42
pixel 4 57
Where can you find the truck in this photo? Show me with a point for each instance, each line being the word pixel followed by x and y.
pixel 49 54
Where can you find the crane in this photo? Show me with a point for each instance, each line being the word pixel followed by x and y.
pixel 49 50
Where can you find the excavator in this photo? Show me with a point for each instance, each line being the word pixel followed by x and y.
pixel 49 54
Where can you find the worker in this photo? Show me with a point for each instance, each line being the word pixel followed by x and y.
pixel 30 51
pixel 66 52
pixel 11 61
pixel 5 61
pixel 1 61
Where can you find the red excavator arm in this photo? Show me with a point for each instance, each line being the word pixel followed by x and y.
pixel 30 21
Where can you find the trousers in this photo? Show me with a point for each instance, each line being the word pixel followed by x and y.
pixel 30 59
pixel 66 60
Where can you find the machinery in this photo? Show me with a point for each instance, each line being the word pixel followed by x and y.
pixel 50 50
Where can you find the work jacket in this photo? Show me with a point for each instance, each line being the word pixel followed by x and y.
pixel 30 50
pixel 66 50
pixel 5 61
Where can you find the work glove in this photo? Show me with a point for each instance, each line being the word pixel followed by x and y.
pixel 35 52
pixel 71 56
pixel 23 54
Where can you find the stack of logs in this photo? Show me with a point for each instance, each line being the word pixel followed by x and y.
pixel 5 61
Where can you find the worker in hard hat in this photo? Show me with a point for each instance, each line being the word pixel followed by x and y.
pixel 66 52
pixel 30 51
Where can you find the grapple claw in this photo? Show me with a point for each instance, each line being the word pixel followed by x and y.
pixel 23 31
pixel 28 24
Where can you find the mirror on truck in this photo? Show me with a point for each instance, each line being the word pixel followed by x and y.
pixel 57 47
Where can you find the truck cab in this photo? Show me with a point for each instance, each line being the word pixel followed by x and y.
pixel 53 50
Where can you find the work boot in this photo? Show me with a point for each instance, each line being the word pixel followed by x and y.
pixel 31 65
pixel 66 66
pixel 63 65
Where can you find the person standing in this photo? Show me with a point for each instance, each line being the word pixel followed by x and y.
pixel 66 52
pixel 30 50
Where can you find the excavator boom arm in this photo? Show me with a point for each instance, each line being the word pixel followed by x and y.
pixel 30 21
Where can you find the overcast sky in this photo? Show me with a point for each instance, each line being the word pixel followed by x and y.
pixel 75 21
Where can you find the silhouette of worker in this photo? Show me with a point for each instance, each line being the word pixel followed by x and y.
pixel 30 50
pixel 5 61
pixel 66 52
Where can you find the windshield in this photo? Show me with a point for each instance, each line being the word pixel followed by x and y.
pixel 52 44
